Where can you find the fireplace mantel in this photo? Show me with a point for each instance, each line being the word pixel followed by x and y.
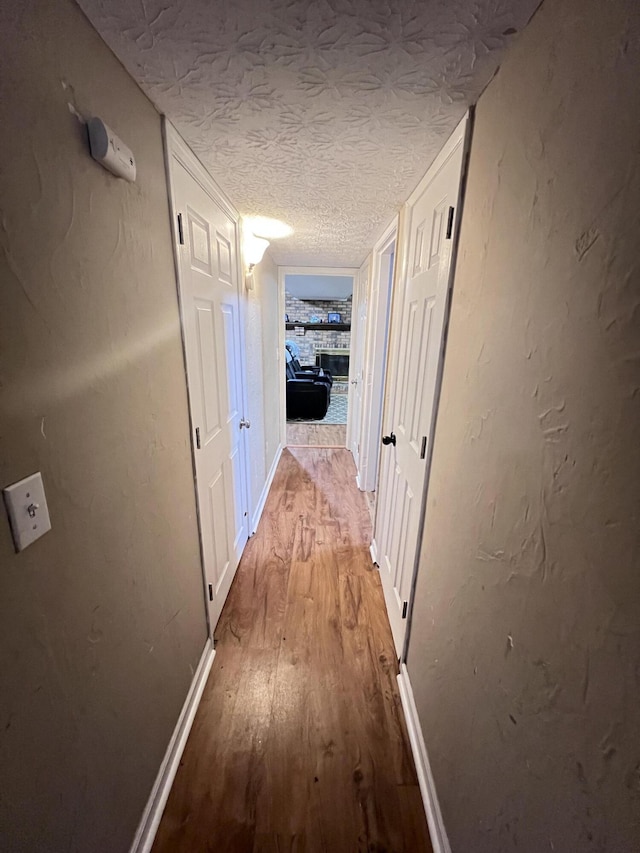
pixel 323 327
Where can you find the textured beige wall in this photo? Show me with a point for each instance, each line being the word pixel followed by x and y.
pixel 525 647
pixel 102 620
pixel 263 387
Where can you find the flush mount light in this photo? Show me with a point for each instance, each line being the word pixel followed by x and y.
pixel 270 229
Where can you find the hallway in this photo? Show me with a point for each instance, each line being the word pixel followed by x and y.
pixel 299 743
pixel 172 175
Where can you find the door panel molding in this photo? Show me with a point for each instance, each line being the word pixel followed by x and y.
pixel 213 341
pixel 464 130
pixel 419 321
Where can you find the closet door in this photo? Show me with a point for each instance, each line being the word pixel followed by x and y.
pixel 209 299
pixel 420 311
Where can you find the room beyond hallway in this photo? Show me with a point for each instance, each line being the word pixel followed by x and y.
pixel 299 743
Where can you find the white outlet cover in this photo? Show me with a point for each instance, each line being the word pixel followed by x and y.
pixel 28 511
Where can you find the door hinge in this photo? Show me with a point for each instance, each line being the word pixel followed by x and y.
pixel 450 223
pixel 405 604
pixel 198 437
pixel 180 231
pixel 210 592
pixel 423 449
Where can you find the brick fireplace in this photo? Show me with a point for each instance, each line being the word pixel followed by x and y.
pixel 335 360
pixel 313 340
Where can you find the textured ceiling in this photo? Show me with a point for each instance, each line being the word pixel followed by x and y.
pixel 323 114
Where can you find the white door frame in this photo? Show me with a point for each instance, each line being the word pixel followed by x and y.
pixel 388 395
pixel 297 270
pixel 361 288
pixel 376 348
pixel 176 148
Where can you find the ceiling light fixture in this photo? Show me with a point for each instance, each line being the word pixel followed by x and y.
pixel 257 232
pixel 253 249
pixel 270 229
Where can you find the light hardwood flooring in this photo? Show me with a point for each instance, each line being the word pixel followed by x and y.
pixel 299 743
pixel 371 504
pixel 316 435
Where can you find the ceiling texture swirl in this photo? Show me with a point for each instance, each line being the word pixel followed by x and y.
pixel 323 114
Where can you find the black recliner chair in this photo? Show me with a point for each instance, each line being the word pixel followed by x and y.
pixel 317 372
pixel 308 396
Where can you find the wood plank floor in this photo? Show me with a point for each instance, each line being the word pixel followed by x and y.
pixel 316 435
pixel 299 743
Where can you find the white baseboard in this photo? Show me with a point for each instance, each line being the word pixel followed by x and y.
pixel 265 491
pixel 152 814
pixel 439 839
pixel 373 551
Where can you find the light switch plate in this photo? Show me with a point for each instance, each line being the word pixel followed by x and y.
pixel 28 512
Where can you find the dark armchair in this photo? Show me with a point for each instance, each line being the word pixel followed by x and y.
pixel 308 396
pixel 307 369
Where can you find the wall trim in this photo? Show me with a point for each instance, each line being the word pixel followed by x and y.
pixel 437 831
pixel 152 814
pixel 265 491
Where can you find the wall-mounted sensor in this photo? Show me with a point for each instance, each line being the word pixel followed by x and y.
pixel 110 151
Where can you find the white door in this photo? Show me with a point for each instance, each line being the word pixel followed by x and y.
pixel 419 310
pixel 209 300
pixel 375 358
pixel 356 359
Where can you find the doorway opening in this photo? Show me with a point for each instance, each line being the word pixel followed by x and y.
pixel 316 344
pixel 376 322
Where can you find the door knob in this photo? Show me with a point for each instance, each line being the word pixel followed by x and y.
pixel 354 381
pixel 244 423
pixel 389 439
